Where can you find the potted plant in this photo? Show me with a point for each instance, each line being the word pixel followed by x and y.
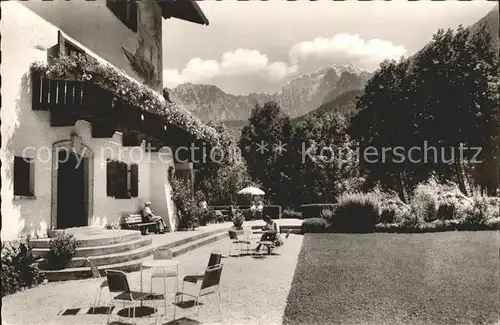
pixel 62 248
pixel 238 220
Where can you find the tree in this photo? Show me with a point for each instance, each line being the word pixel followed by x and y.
pixel 444 97
pixel 323 158
pixel 263 144
pixel 223 171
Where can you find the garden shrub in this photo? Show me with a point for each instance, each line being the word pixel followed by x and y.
pixel 314 225
pixel 274 211
pixel 249 214
pixel 453 205
pixel 19 268
pixel 394 211
pixel 433 200
pixel 206 216
pixel 291 214
pixel 188 212
pixel 61 250
pixel 328 215
pixel 314 210
pixel 483 209
pixel 356 212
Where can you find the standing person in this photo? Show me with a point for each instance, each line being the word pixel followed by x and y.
pixel 203 204
pixel 259 209
pixel 270 231
pixel 149 215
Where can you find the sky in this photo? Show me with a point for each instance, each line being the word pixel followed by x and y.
pixel 257 46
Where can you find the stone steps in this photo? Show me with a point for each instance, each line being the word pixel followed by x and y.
pixel 103 250
pixel 117 258
pixel 122 236
pixel 192 245
pixel 126 256
pixel 128 250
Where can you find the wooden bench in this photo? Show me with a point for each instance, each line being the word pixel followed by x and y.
pixel 133 220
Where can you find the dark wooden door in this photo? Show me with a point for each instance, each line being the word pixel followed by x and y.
pixel 71 211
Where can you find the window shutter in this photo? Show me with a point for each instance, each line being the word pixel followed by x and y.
pixel 111 178
pixel 122 176
pixel 22 169
pixel 132 18
pixel 134 180
pixel 125 10
pixel 118 7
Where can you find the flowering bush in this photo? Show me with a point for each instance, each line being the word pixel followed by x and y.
pixel 85 68
pixel 394 211
pixel 62 248
pixel 433 200
pixel 484 209
pixel 188 212
pixel 238 219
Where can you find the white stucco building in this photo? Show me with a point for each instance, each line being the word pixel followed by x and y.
pixel 62 175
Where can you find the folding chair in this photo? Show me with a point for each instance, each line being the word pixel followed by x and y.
pixel 233 236
pixel 248 234
pixel 209 285
pixel 215 259
pixel 164 254
pixel 118 285
pixel 97 275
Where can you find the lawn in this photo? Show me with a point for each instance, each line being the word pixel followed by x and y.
pixel 438 278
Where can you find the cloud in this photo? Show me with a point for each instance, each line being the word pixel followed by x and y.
pixel 239 62
pixel 339 49
pixel 348 47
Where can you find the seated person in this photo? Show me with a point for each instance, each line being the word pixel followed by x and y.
pixel 148 215
pixel 270 231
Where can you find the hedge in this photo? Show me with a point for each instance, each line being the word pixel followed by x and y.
pixel 314 225
pixel 274 211
pixel 314 210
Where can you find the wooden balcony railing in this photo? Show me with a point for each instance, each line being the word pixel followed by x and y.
pixel 70 100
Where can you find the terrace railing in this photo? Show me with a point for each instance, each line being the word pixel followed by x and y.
pixel 70 100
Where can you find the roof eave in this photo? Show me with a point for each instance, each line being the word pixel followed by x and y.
pixel 198 16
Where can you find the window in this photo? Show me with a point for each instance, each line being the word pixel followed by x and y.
pixel 122 180
pixel 126 11
pixel 24 176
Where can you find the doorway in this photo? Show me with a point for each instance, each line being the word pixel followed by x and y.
pixel 71 190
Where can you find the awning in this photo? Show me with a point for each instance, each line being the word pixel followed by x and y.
pixel 183 9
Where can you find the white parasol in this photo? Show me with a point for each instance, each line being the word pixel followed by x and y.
pixel 251 191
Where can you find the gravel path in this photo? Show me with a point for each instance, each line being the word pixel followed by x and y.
pixel 253 291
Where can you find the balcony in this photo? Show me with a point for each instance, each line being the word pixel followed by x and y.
pixel 69 101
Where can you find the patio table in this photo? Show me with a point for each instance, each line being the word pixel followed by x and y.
pixel 164 264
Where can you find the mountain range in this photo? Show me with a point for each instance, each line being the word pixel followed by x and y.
pixel 334 88
pixel 297 97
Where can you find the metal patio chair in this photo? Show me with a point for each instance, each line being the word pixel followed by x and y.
pixel 164 254
pixel 249 235
pixel 97 275
pixel 209 286
pixel 233 236
pixel 215 259
pixel 119 290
